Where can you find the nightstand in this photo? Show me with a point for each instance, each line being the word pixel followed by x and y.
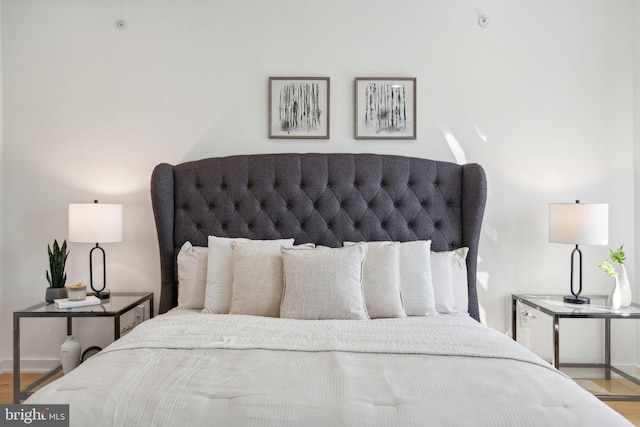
pixel 553 305
pixel 118 304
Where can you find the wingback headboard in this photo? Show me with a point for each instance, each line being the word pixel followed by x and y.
pixel 325 199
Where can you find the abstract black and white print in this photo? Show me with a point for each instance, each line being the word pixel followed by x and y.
pixel 385 108
pixel 299 107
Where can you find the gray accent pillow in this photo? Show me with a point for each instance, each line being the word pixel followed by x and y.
pixel 324 283
pixel 257 278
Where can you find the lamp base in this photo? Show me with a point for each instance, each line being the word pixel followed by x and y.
pixel 101 294
pixel 570 299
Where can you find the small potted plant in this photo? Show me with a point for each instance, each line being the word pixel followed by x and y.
pixel 621 294
pixel 58 277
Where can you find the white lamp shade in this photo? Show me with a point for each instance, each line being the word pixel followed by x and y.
pixel 579 223
pixel 95 223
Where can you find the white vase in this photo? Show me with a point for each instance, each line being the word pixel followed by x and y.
pixel 625 287
pixel 70 354
pixel 615 297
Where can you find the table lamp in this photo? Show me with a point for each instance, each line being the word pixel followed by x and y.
pixel 96 223
pixel 578 224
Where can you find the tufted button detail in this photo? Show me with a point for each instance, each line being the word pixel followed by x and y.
pixel 423 204
pixel 198 186
pixel 276 224
pixel 275 185
pixel 185 207
pixel 330 225
pixel 249 186
pixel 211 207
pixel 224 226
pixel 436 224
pixel 236 206
pixel 395 204
pixel 198 226
pixel 223 186
pixel 356 225
pixel 261 205
pixel 250 226
pixel 289 206
pixel 369 205
pixel 383 225
pixel 342 205
pixel 315 205
pixel 302 185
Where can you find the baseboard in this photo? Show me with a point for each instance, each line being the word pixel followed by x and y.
pixel 27 365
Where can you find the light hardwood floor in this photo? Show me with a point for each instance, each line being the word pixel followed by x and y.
pixel 6 385
pixel 630 410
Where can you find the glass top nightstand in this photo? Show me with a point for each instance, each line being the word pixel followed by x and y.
pixel 554 306
pixel 115 306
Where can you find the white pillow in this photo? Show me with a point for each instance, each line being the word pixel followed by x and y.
pixel 449 273
pixel 192 275
pixel 461 281
pixel 219 289
pixel 416 283
pixel 381 280
pixel 257 278
pixel 324 283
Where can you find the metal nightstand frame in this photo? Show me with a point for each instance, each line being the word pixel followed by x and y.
pixel 572 311
pixel 69 313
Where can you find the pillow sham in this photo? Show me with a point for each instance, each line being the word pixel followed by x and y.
pixel 219 287
pixel 381 280
pixel 257 278
pixel 324 283
pixel 449 274
pixel 192 275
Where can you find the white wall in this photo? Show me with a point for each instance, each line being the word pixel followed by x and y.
pixel 636 138
pixel 3 337
pixel 542 98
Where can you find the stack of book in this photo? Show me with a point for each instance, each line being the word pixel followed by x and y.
pixel 65 303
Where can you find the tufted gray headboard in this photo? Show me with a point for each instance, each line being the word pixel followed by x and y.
pixel 320 198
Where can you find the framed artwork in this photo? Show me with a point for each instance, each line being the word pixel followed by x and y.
pixel 385 108
pixel 299 107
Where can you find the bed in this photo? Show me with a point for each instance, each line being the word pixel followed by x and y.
pixel 320 290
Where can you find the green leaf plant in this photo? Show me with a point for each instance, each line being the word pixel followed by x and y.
pixel 617 256
pixel 57 261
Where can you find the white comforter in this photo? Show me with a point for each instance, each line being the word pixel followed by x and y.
pixel 222 370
